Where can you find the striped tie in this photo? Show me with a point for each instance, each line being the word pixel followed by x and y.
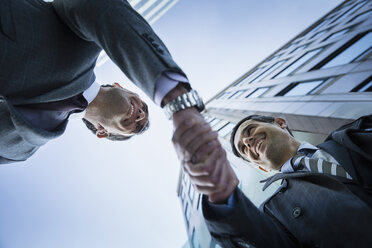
pixel 318 165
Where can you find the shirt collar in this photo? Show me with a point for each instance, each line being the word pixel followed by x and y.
pixel 89 95
pixel 287 166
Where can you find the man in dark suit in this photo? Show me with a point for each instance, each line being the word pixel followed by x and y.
pixel 325 197
pixel 47 55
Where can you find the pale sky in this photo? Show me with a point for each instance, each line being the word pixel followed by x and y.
pixel 78 191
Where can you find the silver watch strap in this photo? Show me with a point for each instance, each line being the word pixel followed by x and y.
pixel 186 100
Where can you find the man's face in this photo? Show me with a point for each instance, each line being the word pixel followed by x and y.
pixel 121 112
pixel 268 145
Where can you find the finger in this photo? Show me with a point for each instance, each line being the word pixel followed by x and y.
pixel 212 180
pixel 183 127
pixel 205 150
pixel 205 190
pixel 194 133
pixel 196 144
pixel 201 169
pixel 231 182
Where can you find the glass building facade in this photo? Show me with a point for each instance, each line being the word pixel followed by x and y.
pixel 318 81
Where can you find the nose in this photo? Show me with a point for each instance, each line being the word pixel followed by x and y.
pixel 140 115
pixel 248 141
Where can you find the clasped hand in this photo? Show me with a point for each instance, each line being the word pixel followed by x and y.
pixel 202 156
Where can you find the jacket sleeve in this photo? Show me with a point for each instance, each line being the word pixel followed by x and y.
pixel 351 146
pixel 124 35
pixel 246 226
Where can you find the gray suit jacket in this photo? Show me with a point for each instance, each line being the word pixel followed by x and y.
pixel 48 52
pixel 309 209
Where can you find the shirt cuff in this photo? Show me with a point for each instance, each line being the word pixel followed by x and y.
pixel 222 210
pixel 166 82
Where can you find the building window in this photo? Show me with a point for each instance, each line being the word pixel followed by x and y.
pixel 214 121
pixel 241 82
pixel 191 192
pixel 225 130
pixel 365 86
pixel 299 48
pixel 254 74
pixel 319 33
pixel 268 71
pixel 222 96
pixel 258 92
pixel 182 193
pixel 293 44
pixel 325 21
pixel 337 34
pixel 274 57
pixel 350 11
pixel 219 125
pixel 194 239
pixel 237 94
pixel 187 212
pixel 361 17
pixel 301 88
pixel 351 52
pixel 298 63
pixel 200 197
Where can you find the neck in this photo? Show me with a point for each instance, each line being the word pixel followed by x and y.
pixel 92 110
pixel 293 146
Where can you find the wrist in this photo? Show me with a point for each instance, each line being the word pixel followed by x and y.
pixel 179 99
pixel 223 196
pixel 175 92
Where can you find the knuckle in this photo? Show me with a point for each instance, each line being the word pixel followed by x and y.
pixel 207 170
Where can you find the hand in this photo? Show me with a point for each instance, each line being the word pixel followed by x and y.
pixel 193 138
pixel 204 160
pixel 214 177
pixel 190 116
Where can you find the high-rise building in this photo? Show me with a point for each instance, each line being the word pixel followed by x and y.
pixel 151 10
pixel 319 80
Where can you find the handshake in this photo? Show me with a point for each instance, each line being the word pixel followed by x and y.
pixel 202 156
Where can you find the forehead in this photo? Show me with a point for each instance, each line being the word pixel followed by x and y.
pixel 242 127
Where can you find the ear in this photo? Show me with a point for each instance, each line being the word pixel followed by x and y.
pixel 280 122
pixel 259 167
pixel 101 132
pixel 117 85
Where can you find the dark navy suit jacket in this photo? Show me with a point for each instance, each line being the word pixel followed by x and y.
pixel 48 52
pixel 309 209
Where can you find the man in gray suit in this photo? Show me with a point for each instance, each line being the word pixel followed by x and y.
pixel 325 198
pixel 47 55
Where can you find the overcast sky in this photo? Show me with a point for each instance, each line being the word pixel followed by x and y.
pixel 81 192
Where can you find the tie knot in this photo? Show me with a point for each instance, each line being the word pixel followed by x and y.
pixel 297 161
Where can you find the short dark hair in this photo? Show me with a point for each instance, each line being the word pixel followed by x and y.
pixel 112 137
pixel 260 118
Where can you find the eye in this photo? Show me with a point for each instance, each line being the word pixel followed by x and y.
pixel 249 130
pixel 144 107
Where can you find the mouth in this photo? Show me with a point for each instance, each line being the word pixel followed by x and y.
pixel 258 144
pixel 131 114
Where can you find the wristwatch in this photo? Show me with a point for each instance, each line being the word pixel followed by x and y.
pixel 186 100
